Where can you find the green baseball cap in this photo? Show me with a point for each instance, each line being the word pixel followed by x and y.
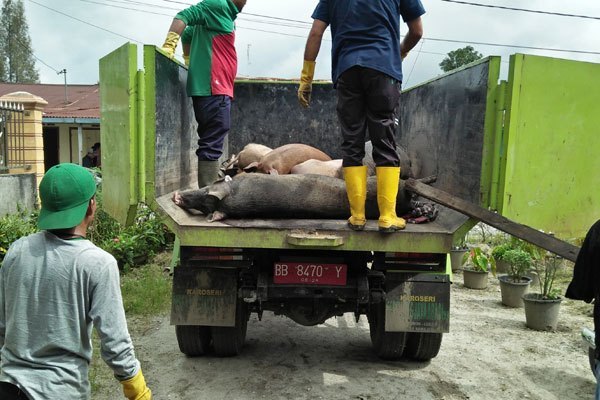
pixel 65 191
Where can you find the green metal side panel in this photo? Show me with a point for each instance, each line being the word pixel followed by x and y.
pixel 552 136
pixel 149 116
pixel 119 128
pixel 489 159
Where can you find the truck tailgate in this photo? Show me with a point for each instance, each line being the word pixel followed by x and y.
pixel 195 230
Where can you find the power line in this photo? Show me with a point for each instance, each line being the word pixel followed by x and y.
pixel 514 46
pixel 246 13
pixel 299 36
pixel 125 8
pixel 85 22
pixel 143 4
pixel 522 9
pixel 34 56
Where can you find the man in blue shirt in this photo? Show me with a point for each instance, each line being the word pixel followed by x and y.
pixel 367 73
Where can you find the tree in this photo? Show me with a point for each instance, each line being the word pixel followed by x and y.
pixel 17 64
pixel 460 57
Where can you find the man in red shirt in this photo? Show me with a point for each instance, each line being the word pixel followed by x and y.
pixel 209 29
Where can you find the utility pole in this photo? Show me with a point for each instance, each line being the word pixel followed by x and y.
pixel 64 71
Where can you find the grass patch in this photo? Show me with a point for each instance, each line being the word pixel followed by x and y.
pixel 147 290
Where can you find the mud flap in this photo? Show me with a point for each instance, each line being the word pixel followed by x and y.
pixel 417 303
pixel 204 296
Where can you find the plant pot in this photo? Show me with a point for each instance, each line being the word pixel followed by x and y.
pixel 456 258
pixel 541 314
pixel 512 292
pixel 475 279
pixel 502 267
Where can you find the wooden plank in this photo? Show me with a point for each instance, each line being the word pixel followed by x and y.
pixel 541 239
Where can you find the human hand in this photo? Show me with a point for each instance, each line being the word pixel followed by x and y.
pixel 170 44
pixel 186 60
pixel 305 89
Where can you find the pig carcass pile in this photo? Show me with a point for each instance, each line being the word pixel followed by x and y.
pixel 291 181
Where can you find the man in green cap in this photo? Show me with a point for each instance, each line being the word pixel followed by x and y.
pixel 54 287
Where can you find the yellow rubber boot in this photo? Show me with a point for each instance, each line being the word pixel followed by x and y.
pixel 388 179
pixel 356 188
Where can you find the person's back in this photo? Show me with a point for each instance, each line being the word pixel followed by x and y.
pixel 55 287
pixel 47 282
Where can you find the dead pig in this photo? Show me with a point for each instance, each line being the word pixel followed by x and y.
pixel 282 159
pixel 282 196
pixel 328 168
pixel 252 152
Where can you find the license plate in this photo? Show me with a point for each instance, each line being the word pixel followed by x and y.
pixel 310 273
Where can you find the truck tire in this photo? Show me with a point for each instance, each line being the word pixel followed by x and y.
pixel 193 340
pixel 228 341
pixel 422 346
pixel 387 345
pixel 592 360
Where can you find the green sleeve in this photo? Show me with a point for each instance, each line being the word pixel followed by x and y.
pixel 188 33
pixel 215 15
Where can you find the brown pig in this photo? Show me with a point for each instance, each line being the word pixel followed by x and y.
pixel 281 160
pixel 327 168
pixel 252 152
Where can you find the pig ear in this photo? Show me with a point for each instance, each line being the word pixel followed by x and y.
pixel 251 167
pixel 220 190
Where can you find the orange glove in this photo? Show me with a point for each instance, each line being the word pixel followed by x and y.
pixel 305 89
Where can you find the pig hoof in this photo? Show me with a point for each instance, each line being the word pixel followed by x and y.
pixel 177 199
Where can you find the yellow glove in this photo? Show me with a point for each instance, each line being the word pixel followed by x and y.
pixel 305 89
pixel 170 44
pixel 186 60
pixel 135 388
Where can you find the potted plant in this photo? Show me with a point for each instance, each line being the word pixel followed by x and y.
pixel 514 285
pixel 498 254
pixel 478 264
pixel 541 309
pixel 457 254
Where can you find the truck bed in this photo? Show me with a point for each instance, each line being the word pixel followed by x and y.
pixel 193 229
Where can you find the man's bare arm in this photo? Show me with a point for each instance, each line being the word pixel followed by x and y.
pixel 315 37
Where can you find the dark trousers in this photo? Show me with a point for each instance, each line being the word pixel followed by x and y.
pixel 9 391
pixel 213 115
pixel 368 99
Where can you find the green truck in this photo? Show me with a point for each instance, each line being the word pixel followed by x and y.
pixel 307 270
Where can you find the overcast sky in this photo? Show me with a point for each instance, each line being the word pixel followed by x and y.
pixel 271 34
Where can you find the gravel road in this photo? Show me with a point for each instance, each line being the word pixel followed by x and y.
pixel 488 354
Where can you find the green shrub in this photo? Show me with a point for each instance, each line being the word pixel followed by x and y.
pixel 519 263
pixel 14 226
pixel 132 245
pixel 499 251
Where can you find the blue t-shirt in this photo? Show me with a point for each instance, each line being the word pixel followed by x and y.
pixel 367 32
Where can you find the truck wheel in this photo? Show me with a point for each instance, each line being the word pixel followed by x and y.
pixel 387 345
pixel 228 341
pixel 193 340
pixel 423 346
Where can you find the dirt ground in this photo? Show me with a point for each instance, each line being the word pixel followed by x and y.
pixel 488 354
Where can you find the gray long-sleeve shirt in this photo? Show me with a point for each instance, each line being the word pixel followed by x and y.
pixel 52 292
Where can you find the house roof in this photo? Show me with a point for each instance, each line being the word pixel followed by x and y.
pixel 83 100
